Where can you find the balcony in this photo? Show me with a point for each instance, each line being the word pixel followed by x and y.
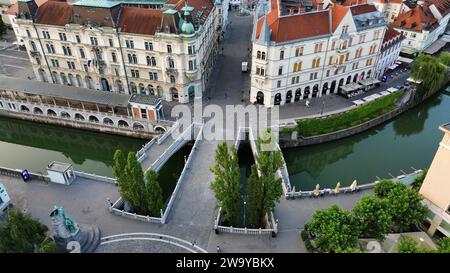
pixel 34 53
pixel 342 50
pixel 171 70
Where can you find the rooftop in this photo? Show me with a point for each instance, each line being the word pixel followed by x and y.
pixel 144 99
pixel 58 166
pixel 418 19
pixel 64 92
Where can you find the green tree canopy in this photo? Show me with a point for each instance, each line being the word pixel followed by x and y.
pixel 417 183
pixel 383 188
pixel 405 208
pixel 444 58
pixel 227 182
pixel 264 189
pixel 334 229
pixel 372 216
pixel 144 197
pixel 23 234
pixel 430 71
pixel 443 245
pixel 408 245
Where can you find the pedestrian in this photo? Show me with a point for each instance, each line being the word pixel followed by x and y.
pixel 218 249
pixel 109 201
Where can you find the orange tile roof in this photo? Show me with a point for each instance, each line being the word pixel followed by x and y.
pixel 390 34
pixel 418 19
pixel 389 1
pixel 198 6
pixel 139 20
pixel 337 14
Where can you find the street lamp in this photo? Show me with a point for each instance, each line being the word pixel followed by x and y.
pixel 323 105
pixel 245 203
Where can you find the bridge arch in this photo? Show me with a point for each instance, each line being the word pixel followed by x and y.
pixel 38 111
pixel 108 121
pixel 24 108
pixel 123 123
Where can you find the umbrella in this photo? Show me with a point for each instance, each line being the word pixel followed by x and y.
pixel 317 190
pixel 338 187
pixel 353 185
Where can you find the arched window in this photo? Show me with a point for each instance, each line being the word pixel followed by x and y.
pixel 149 60
pixel 33 46
pixel 172 79
pixel 153 60
pixel 263 55
pixel 258 55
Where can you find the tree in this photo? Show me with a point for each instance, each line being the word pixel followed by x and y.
pixel 144 198
pixel 2 27
pixel 153 192
pixel 23 234
pixel 443 245
pixel 372 216
pixel 334 229
pixel 227 182
pixel 430 71
pixel 417 183
pixel 408 245
pixel 383 188
pixel 444 58
pixel 264 189
pixel 405 207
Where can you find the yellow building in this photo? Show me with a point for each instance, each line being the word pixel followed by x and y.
pixel 436 187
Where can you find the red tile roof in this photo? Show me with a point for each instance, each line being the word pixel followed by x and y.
pixel 139 20
pixel 199 5
pixel 418 19
pixel 337 14
pixel 54 13
pixel 442 5
pixel 364 8
pixel 389 1
pixel 390 34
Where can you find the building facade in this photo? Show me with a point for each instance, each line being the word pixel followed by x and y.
pixel 436 187
pixel 166 49
pixel 422 25
pixel 390 51
pixel 333 46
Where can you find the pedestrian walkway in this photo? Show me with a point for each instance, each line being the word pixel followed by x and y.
pixel 155 151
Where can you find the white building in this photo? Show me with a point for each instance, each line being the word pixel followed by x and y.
pixel 163 49
pixel 390 8
pixel 4 6
pixel 423 25
pixel 331 47
pixel 390 51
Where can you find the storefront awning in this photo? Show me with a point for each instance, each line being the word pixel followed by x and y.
pixel 369 81
pixel 405 60
pixel 434 47
pixel 350 87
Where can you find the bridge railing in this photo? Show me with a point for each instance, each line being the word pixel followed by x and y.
pixel 95 177
pixel 169 133
pixel 183 172
pixel 142 153
pixel 115 209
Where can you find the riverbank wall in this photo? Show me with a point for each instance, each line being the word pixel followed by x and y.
pixel 294 139
pixel 95 127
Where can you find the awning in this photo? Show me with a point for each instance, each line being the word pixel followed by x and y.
pixel 434 47
pixel 405 60
pixel 409 51
pixel 350 87
pixel 392 67
pixel 369 81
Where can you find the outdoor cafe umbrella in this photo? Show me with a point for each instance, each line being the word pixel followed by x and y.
pixel 353 185
pixel 317 190
pixel 338 187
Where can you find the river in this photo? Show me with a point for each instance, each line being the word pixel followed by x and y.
pixel 410 140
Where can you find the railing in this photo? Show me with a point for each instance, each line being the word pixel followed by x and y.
pixel 95 177
pixel 141 154
pixel 183 174
pixel 181 140
pixel 18 173
pixel 119 203
pixel 273 230
pixel 168 133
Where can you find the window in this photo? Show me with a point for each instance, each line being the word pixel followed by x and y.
pixel 318 48
pixel 258 55
pixel 330 60
pixel 355 65
pixel 50 49
pixel 362 38
pixel 358 53
pixel 114 57
pixel 148 46
pixel 260 71
pixel 62 36
pixel 341 59
pixel 132 58
pixel 129 43
pixel 297 66
pixel 263 55
pixel 376 34
pixel 369 62
pixel 316 63
pixel 282 55
pixel 347 55
pixel 313 76
pixel 192 65
pixel 328 73
pixel 172 79
pixel 77 37
pixel 278 84
pixel 143 113
pixel 333 45
pixel 46 34
pixel 153 76
pixel 280 70
pixel 111 43
pixel 33 46
pixel 171 63
pixel 28 33
pixel 82 55
pixel 344 29
pixel 71 65
pixel 55 63
pixel 134 73
pixel 86 69
pixel 191 49
pixel 67 51
pixel 169 48
pixel 94 41
pixel 38 61
pixel 299 51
